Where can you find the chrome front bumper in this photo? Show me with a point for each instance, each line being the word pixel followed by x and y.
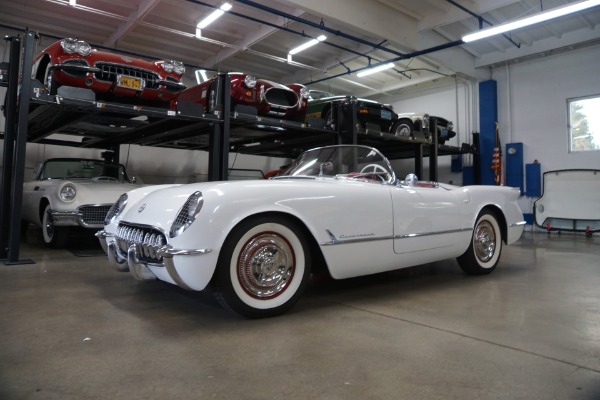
pixel 140 270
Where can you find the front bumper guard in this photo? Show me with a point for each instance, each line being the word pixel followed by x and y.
pixel 140 271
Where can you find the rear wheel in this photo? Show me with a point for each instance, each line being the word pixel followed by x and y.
pixel 403 127
pixel 483 253
pixel 54 236
pixel 263 267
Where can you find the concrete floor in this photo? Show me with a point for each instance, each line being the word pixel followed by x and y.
pixel 73 328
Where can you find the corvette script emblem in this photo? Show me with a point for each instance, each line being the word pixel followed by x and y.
pixel 142 208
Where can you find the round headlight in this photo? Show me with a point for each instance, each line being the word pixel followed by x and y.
pixel 67 192
pixel 250 81
pixel 69 45
pixel 72 46
pixel 178 67
pixel 84 48
pixel 167 65
pixel 304 92
pixel 116 209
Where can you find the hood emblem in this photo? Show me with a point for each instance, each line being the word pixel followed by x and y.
pixel 127 59
pixel 142 208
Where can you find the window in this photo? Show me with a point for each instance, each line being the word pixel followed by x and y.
pixel 584 123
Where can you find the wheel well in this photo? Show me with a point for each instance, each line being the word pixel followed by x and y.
pixel 500 217
pixel 404 120
pixel 318 261
pixel 41 69
pixel 43 203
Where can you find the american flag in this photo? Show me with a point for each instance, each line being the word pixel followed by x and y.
pixel 497 158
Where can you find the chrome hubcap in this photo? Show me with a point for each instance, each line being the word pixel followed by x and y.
pixel 403 130
pixel 484 241
pixel 266 265
pixel 49 226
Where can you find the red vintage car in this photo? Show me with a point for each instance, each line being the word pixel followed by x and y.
pixel 111 76
pixel 268 98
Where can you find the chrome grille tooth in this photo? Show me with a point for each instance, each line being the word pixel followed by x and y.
pixel 147 241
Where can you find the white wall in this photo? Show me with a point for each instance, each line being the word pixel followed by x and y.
pixel 532 105
pixel 532 109
pixel 453 98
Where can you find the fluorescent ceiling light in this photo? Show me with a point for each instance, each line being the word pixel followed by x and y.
pixel 379 68
pixel 306 45
pixel 201 76
pixel 212 18
pixel 72 2
pixel 535 19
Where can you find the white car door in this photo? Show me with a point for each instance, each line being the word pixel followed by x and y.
pixel 426 217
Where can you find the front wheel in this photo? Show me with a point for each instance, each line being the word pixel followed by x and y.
pixel 263 267
pixel 54 236
pixel 483 253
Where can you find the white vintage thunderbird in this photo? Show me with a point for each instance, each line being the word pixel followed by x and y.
pixel 68 192
pixel 341 208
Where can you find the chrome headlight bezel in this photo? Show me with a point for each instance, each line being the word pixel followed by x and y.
pixel 73 46
pixel 173 66
pixel 304 93
pixel 187 214
pixel 425 122
pixel 67 193
pixel 116 209
pixel 450 126
pixel 250 81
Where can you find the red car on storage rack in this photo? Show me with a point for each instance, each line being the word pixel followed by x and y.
pixel 270 99
pixel 111 76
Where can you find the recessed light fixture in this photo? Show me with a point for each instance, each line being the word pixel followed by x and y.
pixel 534 19
pixel 378 68
pixel 212 17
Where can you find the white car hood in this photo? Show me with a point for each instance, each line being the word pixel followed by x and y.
pixel 100 192
pixel 161 206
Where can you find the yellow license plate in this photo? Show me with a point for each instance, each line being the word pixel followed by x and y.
pixel 130 82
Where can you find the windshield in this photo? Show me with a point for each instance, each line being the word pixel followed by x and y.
pixel 82 169
pixel 342 162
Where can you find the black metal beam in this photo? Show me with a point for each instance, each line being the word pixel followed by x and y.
pixel 9 142
pixel 19 157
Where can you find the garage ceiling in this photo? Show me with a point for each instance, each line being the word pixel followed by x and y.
pixel 256 36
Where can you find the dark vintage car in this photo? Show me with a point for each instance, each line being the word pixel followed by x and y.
pixel 323 105
pixel 408 123
pixel 110 76
pixel 267 98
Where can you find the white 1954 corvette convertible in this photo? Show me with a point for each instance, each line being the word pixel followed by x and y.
pixel 254 243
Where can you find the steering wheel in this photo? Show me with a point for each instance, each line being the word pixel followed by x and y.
pixel 375 170
pixel 104 178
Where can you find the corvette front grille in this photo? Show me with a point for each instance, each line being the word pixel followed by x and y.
pixel 93 215
pixel 147 241
pixel 108 72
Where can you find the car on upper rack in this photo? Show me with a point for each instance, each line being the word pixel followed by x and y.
pixel 72 192
pixel 110 76
pixel 408 123
pixel 249 95
pixel 325 106
pixel 254 244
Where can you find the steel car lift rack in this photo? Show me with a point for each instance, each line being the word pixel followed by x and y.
pixel 74 118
